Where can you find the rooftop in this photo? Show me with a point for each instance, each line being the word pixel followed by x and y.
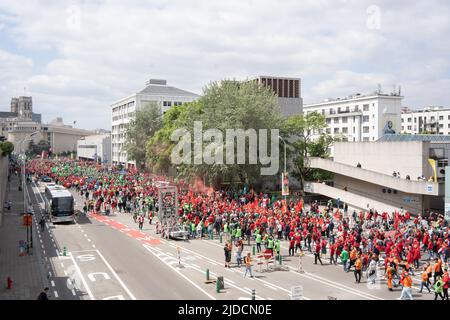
pixel 164 90
pixel 356 97
pixel 415 137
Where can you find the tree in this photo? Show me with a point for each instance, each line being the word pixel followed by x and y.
pixel 36 149
pixel 6 148
pixel 309 140
pixel 224 105
pixel 140 129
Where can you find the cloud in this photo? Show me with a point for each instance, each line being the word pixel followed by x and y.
pixel 100 51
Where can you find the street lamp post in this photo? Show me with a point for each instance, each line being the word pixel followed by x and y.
pixel 30 227
pixel 284 142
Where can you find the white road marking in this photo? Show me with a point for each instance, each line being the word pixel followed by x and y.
pixel 65 272
pixel 50 274
pixel 77 268
pixel 53 240
pixel 269 286
pixel 194 265
pixel 148 248
pixel 40 240
pixel 228 280
pixel 93 246
pixel 229 270
pixel 213 263
pixel 53 283
pixel 117 277
pixel 249 290
pixel 43 251
pixel 55 293
pixel 85 235
pixel 89 240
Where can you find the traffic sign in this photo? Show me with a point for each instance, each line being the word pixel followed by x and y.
pixel 297 293
pixel 268 254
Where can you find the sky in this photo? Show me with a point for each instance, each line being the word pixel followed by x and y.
pixel 77 57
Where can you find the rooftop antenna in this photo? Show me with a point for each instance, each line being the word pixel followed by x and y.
pixel 399 90
pixel 379 88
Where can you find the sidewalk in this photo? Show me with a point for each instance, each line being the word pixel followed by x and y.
pixel 26 271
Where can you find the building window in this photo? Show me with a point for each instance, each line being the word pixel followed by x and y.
pixel 365 129
pixel 432 118
pixel 344 119
pixel 441 117
pixel 347 109
pixel 365 107
pixel 356 109
pixel 328 120
pixel 409 119
pixel 336 130
pixel 403 128
pixel 353 129
pixel 345 130
pixel 409 127
pixel 328 130
pixel 336 120
pixel 365 118
pixel 167 103
pixel 415 120
pixel 441 126
pixel 402 120
pixel 365 139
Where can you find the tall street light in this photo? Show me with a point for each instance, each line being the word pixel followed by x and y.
pixel 284 142
pixel 29 227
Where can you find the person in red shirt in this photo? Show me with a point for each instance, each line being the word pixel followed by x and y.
pixel 332 253
pixel 317 253
pixel 291 246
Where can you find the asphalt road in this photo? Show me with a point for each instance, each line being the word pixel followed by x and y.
pixel 109 258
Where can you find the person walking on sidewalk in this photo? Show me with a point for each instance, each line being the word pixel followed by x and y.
pixel 248 265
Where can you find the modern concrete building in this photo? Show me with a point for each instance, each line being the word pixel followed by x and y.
pixel 363 173
pixel 61 137
pixel 434 120
pixel 95 147
pixel 124 110
pixel 288 91
pixel 361 117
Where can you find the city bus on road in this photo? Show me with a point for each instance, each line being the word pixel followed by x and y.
pixel 59 204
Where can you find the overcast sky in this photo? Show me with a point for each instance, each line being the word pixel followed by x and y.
pixel 76 57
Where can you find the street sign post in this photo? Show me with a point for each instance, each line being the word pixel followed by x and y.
pixel 297 293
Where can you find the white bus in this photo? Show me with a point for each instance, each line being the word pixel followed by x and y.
pixel 59 204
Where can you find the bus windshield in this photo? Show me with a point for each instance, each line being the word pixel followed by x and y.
pixel 62 206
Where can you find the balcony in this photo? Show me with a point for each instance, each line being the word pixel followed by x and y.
pixel 384 180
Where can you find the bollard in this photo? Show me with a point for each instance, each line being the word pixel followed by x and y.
pixel 207 274
pixel 253 294
pixel 65 251
pixel 220 238
pixel 280 258
pixel 9 283
pixel 254 250
pixel 219 284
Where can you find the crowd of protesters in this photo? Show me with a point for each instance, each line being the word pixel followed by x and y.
pixel 362 241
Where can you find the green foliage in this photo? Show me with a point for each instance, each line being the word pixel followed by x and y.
pixel 6 148
pixel 36 149
pixel 309 140
pixel 140 129
pixel 224 105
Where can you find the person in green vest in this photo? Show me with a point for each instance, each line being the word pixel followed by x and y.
pixel 258 242
pixel 193 230
pixel 278 247
pixel 225 230
pixel 233 233
pixel 344 257
pixel 270 244
pixel 238 232
pixel 438 288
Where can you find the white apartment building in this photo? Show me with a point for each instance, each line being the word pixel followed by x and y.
pixel 435 120
pixel 361 117
pixel 123 110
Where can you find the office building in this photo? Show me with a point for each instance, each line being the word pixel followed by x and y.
pixel 429 120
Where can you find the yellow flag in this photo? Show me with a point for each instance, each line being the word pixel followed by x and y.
pixel 432 163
